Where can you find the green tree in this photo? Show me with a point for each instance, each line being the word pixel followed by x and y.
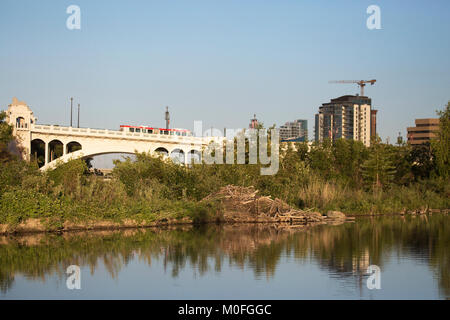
pixel 401 161
pixel 70 176
pixel 321 159
pixel 6 136
pixel 378 170
pixel 348 156
pixel 441 145
pixel 422 161
pixel 302 150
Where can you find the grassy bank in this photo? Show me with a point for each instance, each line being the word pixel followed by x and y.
pixel 71 194
pixel 151 189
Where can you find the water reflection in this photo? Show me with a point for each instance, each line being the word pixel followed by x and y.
pixel 343 251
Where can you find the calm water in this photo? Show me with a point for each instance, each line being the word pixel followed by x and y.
pixel 236 262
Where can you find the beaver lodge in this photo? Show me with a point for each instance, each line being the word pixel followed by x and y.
pixel 244 204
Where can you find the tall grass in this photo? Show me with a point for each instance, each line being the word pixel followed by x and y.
pixel 327 195
pixel 320 194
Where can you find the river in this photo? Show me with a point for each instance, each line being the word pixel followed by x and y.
pixel 235 262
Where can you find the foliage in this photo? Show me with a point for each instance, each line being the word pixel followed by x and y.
pixel 30 203
pixel 70 176
pixel 422 160
pixel 441 144
pixel 6 136
pixel 378 169
pixel 13 172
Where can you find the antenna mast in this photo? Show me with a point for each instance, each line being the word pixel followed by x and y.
pixel 167 118
pixel 71 108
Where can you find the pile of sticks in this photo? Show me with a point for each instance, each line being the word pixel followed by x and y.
pixel 245 200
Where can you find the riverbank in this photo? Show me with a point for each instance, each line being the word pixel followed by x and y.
pixel 229 205
pixel 33 225
pixel 41 226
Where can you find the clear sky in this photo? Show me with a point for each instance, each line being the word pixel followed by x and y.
pixel 223 61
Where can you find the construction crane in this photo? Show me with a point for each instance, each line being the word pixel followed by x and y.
pixel 361 83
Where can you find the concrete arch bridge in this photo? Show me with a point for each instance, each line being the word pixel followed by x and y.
pixel 52 144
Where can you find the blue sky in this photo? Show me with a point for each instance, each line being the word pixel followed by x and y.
pixel 223 61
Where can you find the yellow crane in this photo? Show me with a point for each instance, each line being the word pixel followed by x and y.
pixel 361 83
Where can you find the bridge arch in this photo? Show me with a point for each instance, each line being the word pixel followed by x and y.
pixel 55 150
pixel 177 155
pixel 162 150
pixel 73 146
pixel 194 156
pixel 37 151
pixel 90 150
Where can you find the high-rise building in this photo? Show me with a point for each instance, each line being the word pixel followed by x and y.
pixel 424 131
pixel 373 123
pixel 347 117
pixel 295 131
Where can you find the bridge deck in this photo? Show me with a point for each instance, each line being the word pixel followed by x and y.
pixel 117 134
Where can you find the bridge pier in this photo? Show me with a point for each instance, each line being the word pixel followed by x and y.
pixel 46 152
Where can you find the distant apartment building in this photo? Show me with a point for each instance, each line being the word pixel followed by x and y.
pixel 373 123
pixel 347 117
pixel 424 131
pixel 295 131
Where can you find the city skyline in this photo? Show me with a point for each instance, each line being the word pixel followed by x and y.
pixel 221 63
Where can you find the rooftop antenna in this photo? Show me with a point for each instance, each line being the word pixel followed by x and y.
pixel 71 107
pixel 167 118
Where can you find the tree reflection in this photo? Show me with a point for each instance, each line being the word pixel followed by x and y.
pixel 345 250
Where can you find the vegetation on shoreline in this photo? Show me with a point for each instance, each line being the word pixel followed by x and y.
pixel 344 175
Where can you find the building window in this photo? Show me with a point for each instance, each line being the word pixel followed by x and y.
pixel 20 122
